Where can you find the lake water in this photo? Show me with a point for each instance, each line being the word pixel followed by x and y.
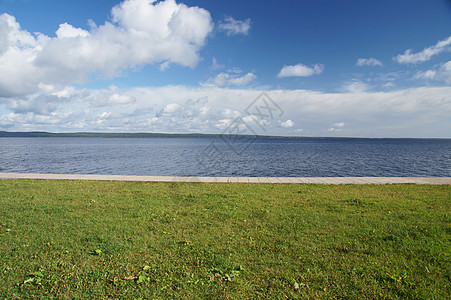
pixel 307 157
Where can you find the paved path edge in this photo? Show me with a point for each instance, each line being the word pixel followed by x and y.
pixel 320 180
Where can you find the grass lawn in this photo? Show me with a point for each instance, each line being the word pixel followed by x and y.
pixel 138 240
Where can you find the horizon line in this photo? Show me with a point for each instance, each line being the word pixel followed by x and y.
pixel 36 133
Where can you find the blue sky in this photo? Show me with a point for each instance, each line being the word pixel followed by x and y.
pixel 334 68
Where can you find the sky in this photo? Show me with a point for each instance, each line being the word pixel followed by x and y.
pixel 353 68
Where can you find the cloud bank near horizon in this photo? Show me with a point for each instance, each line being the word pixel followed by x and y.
pixel 424 112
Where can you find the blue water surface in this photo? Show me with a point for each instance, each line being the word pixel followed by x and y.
pixel 215 156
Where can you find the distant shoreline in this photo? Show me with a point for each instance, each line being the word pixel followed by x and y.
pixel 38 134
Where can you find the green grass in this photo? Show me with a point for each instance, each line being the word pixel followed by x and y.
pixel 99 240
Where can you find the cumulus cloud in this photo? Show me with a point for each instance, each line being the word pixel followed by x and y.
pixel 17 48
pixel 169 109
pixel 336 127
pixel 226 80
pixel 426 54
pixel 368 62
pixel 287 124
pixel 234 27
pixel 141 32
pixel 300 70
pixel 224 123
pixel 50 108
pixel 41 105
pixel 68 31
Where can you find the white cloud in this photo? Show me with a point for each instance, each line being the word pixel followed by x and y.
pixel 41 105
pixel 141 32
pixel 17 48
pixel 120 99
pixel 416 112
pixel 355 86
pixel 215 65
pixel 287 124
pixel 234 27
pixel 442 73
pixel 68 31
pixel 426 54
pixel 243 80
pixel 224 123
pixel 11 35
pixel 429 74
pixel 389 85
pixel 170 109
pixel 226 79
pixel 300 70
pixel 368 62
pixel 164 66
pixel 230 113
pixel 337 127
pixel 445 72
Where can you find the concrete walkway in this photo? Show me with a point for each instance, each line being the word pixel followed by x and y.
pixel 322 180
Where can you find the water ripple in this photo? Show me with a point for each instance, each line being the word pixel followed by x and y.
pixel 194 157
